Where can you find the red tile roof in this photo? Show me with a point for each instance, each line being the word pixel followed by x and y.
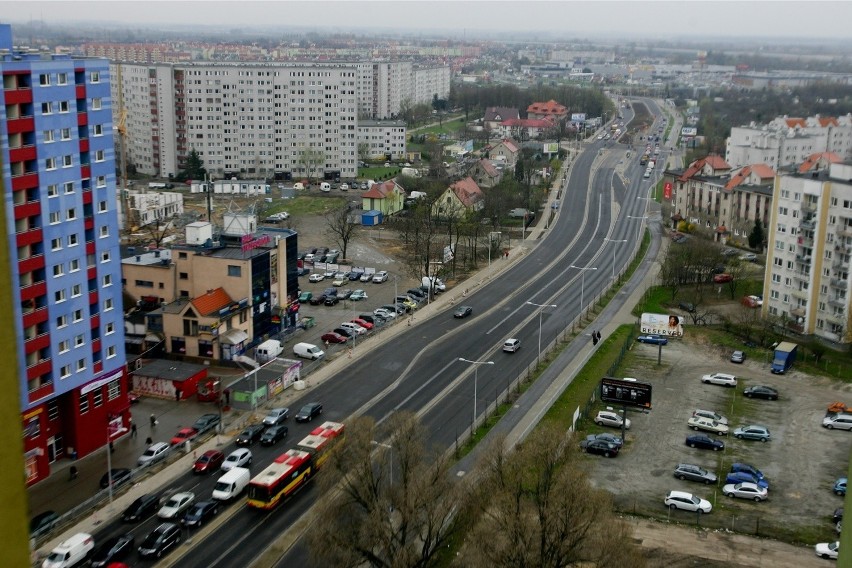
pixel 510 145
pixel 827 121
pixel 715 163
pixel 762 171
pixel 823 158
pixel 551 107
pixel 488 167
pixel 380 190
pixel 467 191
pixel 211 302
pixel 794 122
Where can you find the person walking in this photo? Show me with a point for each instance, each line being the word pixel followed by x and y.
pixel 73 472
pixel 153 420
pixel 133 430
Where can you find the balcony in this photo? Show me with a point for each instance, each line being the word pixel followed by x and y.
pixel 838 283
pixel 803 259
pixel 31 263
pixel 29 237
pixel 22 124
pixel 33 290
pixel 837 302
pixel 82 118
pixel 37 343
pixel 41 392
pixel 18 96
pixel 28 209
pixel 35 317
pixel 797 312
pixel 27 180
pixel 22 154
pixel 801 294
pixel 39 368
pixel 80 91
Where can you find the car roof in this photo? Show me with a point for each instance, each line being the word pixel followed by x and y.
pixel 680 494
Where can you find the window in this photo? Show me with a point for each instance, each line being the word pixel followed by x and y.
pixel 80 340
pixel 61 321
pixel 58 270
pixel 76 291
pixel 105 257
pixel 84 399
pixel 63 106
pixel 52 190
pixel 102 206
pixel 108 304
pixel 110 352
pixel 234 270
pixel 113 390
pixel 107 280
pixel 48 136
pixel 52 411
pixel 96 103
pixel 99 156
pixel 78 316
pixel 65 134
pixel 100 181
pixel 184 276
pixel 64 373
pixel 55 244
pixel 73 240
pixel 59 296
pixel 62 78
pixel 69 187
pixel 95 77
pixel 74 265
pixel 98 130
pixel 81 366
pixel 109 328
pixel 71 214
pixel 64 346
pixel 46 108
pixel 104 231
pixel 98 394
pixel 67 161
pixel 50 164
pixel 44 80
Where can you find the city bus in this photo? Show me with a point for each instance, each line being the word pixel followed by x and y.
pixel 284 476
pixel 321 440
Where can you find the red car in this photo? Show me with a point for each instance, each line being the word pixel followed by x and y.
pixel 363 323
pixel 332 337
pixel 722 278
pixel 183 435
pixel 749 302
pixel 209 461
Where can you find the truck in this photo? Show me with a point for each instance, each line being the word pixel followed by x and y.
pixel 785 356
pixel 520 213
pixel 159 185
pixel 644 159
pixel 411 172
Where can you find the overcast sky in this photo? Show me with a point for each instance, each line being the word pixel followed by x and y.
pixel 659 19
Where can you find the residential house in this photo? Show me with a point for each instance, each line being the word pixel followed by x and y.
pixel 506 151
pixel 551 109
pixel 819 161
pixel 526 128
pixel 387 197
pixel 494 116
pixel 460 199
pixel 485 173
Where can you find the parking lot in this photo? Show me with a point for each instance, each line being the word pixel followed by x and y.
pixel 801 461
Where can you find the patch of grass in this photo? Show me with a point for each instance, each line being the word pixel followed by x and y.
pixel 307 205
pixel 377 172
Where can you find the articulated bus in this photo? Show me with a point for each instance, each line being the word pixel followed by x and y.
pixel 290 471
pixel 320 440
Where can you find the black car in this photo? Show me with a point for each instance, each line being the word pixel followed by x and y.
pixel 687 306
pixel 43 523
pixel 160 540
pixel 142 508
pixel 416 292
pixel 688 471
pixel 462 312
pixel 344 294
pixel 250 435
pixel 760 391
pixel 199 513
pixel 331 300
pixel 206 422
pixel 838 515
pixel 372 318
pixel 120 476
pixel 704 442
pixel 302 271
pixel 309 412
pixel 607 437
pixel 355 275
pixel 601 447
pixel 273 434
pixel 317 300
pixel 347 333
pixel 113 550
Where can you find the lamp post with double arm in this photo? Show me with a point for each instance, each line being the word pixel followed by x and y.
pixel 475 378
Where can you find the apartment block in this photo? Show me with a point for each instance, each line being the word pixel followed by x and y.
pixel 383 139
pixel 60 206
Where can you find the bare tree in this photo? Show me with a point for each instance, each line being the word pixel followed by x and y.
pixel 536 507
pixel 341 227
pixel 311 161
pixel 391 503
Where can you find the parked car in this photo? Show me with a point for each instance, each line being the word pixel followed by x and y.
pixel 211 460
pixel 600 447
pixel 841 421
pixel 358 295
pixel 331 300
pixel 160 540
pixel 345 332
pixel 119 476
pixel 687 502
pixel 607 437
pixel 356 275
pixel 712 415
pixel 43 523
pixel 385 313
pixel 723 379
pixel 156 452
pixel 276 416
pixel 305 297
pixel 142 508
pixel 332 337
pixel 748 257
pixel 416 292
pixel 309 412
pixel 752 432
pixel 738 357
pixel 704 442
pixel 184 435
pixel 722 278
pixel 113 549
pixel 249 435
pixel 316 277
pixel 238 458
pixel 691 472
pixel 380 276
pixel 653 339
pixel 353 327
pixel 761 391
pixel 734 477
pixel 363 323
pixel 200 513
pixel 701 423
pixel 273 434
pixel 745 490
pixel 407 302
pixel 463 311
pixel 366 277
pixel 317 300
pixel 371 318
pixel 840 486
pixel 338 282
pixel 610 418
pixel 829 550
pixel 687 306
pixel 749 301
pixel 748 469
pixel 206 422
pixel 177 504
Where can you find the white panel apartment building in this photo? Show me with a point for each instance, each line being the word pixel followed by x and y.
pixel 786 141
pixel 810 243
pixel 382 138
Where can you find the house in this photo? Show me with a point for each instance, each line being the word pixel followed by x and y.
pixel 819 161
pixel 506 151
pixel 387 197
pixel 461 198
pixel 485 173
pixel 550 109
pixel 526 128
pixel 496 115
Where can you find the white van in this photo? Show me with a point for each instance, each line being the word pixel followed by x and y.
pixel 70 552
pixel 298 185
pixel 325 186
pixel 231 484
pixel 426 281
pixel 268 350
pixel 308 351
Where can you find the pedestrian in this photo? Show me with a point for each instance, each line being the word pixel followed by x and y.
pixel 227 397
pixel 599 336
pixel 177 395
pixel 149 441
pixel 153 420
pixel 73 472
pixel 132 430
pixel 111 447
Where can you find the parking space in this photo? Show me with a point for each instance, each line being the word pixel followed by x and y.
pixel 800 462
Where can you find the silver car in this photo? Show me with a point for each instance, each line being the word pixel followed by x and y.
pixel 153 454
pixel 609 418
pixel 745 490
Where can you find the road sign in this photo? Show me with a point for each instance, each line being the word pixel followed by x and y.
pixel 626 392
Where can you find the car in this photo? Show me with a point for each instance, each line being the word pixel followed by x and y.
pixel 722 278
pixel 338 282
pixel 184 435
pixel 206 422
pixel 276 416
pixel 653 339
pixel 600 447
pixel 331 300
pixel 119 476
pixel 701 423
pixel 748 469
pixel 112 550
pixel 837 516
pixel 828 550
pixel 749 301
pixel 395 308
pixel 328 274
pixel 691 472
pixel 332 337
pixel 723 379
pixel 160 540
pixel 745 490
pixel 176 504
pixel 840 486
pixel 687 306
pixel 384 314
pixel 353 327
pixel 273 434
pixel 511 345
pixel 358 295
pixel 211 460
pixel 380 277
pixel 463 311
pixel 43 523
pixel 344 187
pixel 729 252
pixel 142 508
pixel 416 292
pixel 738 357
pixel 704 442
pixel 356 275
pixel 370 318
pixel 277 217
pixel 303 271
pixel 363 323
pixel 366 277
pixel 345 332
pixel 199 513
pixel 249 435
pixel 753 432
pixel 407 302
pixel 748 257
pixel 344 293
pixel 238 458
pixel 317 300
pixel 761 391
pixel 734 477
pixel 316 277
pixel 610 418
pixel 309 412
pixel 156 452
pixel 839 420
pixel 687 502
pixel 607 437
pixel 712 415
pixel 306 296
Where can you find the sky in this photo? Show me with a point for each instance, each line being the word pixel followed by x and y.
pixel 584 19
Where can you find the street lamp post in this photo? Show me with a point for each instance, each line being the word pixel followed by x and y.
pixel 390 460
pixel 491 243
pixel 583 283
pixel 643 218
pixel 540 310
pixel 606 240
pixel 475 379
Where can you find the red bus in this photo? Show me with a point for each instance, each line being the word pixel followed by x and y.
pixel 320 440
pixel 290 471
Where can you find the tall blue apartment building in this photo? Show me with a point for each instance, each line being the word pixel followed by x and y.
pixel 59 197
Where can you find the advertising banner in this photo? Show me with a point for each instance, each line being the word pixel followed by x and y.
pixel 629 392
pixel 662 324
pixel 667 191
pixel 551 147
pixel 578 117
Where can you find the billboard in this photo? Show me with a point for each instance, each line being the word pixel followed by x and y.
pixel 688 131
pixel 667 191
pixel 551 147
pixel 662 324
pixel 628 392
pixel 578 117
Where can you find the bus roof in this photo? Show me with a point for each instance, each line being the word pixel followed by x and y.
pixel 281 467
pixel 328 430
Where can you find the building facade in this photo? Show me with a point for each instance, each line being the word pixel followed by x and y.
pixel 383 139
pixel 60 206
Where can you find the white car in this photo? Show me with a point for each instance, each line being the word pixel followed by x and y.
pixel 828 549
pixel 609 418
pixel 380 276
pixel 687 502
pixel 366 277
pixel 383 313
pixel 723 379
pixel 701 423
pixel 338 282
pixel 344 187
pixel 353 327
pixel 155 453
pixel 237 458
pixel 712 415
pixel 316 277
pixel 177 504
pixel 511 345
pixel 745 490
